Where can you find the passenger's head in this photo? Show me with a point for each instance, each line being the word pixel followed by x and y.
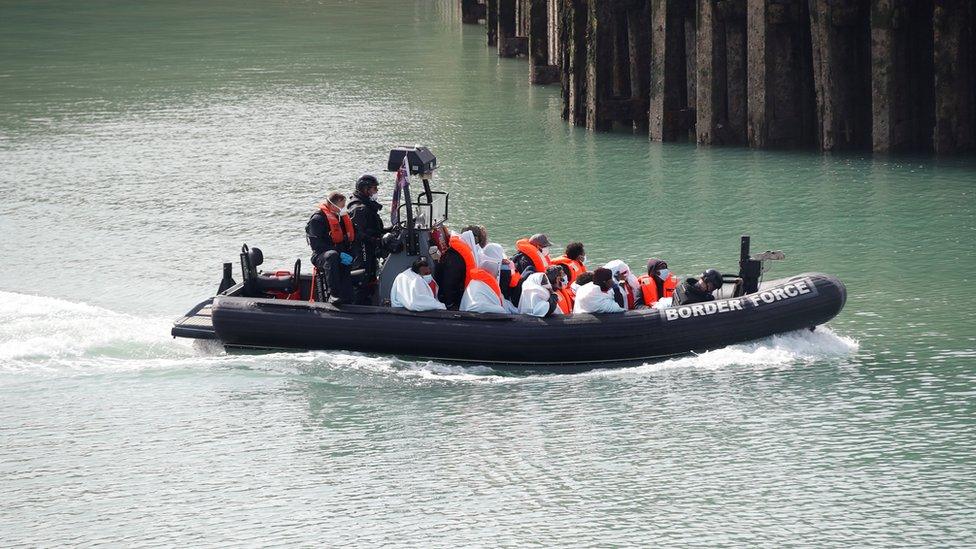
pixel 555 275
pixel 367 184
pixel 710 280
pixel 483 239
pixel 495 251
pixel 480 237
pixel 658 268
pixel 574 250
pixel 603 278
pixel 584 278
pixel 338 200
pixel 540 241
pixel 421 267
pixel 491 266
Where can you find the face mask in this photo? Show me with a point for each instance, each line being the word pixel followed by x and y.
pixel 665 274
pixel 342 210
pixel 565 280
pixel 373 197
pixel 582 259
pixel 428 278
pixel 545 251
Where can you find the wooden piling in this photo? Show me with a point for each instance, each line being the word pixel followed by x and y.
pixel 902 78
pixel 541 71
pixel 599 63
pixel 639 44
pixel 506 29
pixel 573 17
pixel 471 12
pixel 668 112
pixel 952 24
pixel 491 21
pixel 780 76
pixel 841 37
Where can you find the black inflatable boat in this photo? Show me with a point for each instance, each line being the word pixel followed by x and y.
pixel 273 311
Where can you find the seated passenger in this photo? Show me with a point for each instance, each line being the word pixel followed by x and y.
pixel 626 282
pixel 508 279
pixel 657 284
pixel 582 280
pixel 698 290
pixel 597 296
pixel 537 299
pixel 559 281
pixel 574 259
pixel 482 294
pixel 462 255
pixel 533 253
pixel 413 289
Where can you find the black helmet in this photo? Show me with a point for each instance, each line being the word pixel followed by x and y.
pixel 366 181
pixel 713 277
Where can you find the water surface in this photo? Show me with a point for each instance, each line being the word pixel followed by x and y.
pixel 141 144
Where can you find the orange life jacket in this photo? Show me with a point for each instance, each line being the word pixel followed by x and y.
pixel 515 278
pixel 482 275
pixel 575 267
pixel 539 262
pixel 467 254
pixel 564 299
pixel 336 231
pixel 649 288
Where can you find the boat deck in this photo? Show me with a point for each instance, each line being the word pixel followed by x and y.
pixel 197 323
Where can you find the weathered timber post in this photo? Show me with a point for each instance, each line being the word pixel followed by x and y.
pixel 470 11
pixel 491 21
pixel 540 70
pixel 736 46
pixel 639 43
pixel 621 52
pixel 902 78
pixel 780 82
pixel 712 107
pixel 669 113
pixel 507 46
pixel 952 23
pixel 841 34
pixel 599 59
pixel 721 75
pixel 573 16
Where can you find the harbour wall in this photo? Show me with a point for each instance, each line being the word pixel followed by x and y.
pixel 838 75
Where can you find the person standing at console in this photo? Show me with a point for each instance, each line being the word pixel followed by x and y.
pixel 364 212
pixel 332 237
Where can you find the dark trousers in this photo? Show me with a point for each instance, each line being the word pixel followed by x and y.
pixel 335 275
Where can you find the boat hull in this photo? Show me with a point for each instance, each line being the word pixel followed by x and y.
pixel 802 301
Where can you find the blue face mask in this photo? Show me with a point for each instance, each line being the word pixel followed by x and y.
pixel 428 278
pixel 665 273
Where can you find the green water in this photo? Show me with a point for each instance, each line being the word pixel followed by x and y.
pixel 141 143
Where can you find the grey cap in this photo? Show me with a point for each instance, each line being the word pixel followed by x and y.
pixel 540 240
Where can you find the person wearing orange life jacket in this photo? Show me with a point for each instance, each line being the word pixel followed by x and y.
pixel 532 257
pixel 657 284
pixel 482 293
pixel 559 282
pixel 413 289
pixel 332 237
pixel 508 279
pixel 626 283
pixel 533 253
pixel 574 259
pixel 462 255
